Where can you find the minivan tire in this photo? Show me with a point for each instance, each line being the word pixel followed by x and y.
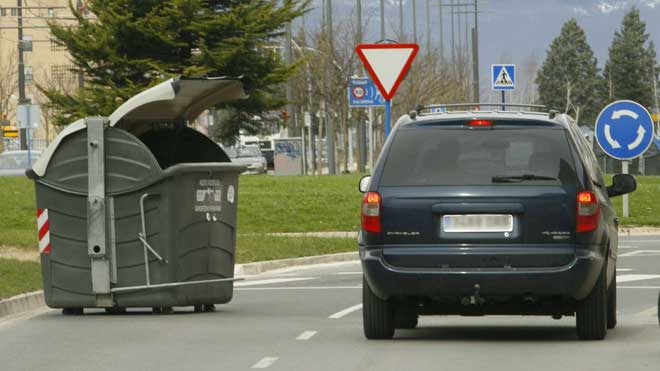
pixel 591 313
pixel 377 315
pixel 611 303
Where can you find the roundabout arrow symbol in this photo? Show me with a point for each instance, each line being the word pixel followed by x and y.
pixel 638 140
pixel 610 140
pixel 624 112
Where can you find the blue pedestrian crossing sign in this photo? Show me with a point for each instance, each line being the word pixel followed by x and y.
pixel 503 76
pixel 624 130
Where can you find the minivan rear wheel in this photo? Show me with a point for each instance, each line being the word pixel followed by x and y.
pixel 591 313
pixel 377 315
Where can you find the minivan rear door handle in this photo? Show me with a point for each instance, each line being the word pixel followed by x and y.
pixel 478 208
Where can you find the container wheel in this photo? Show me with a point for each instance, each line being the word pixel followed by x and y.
pixel 199 308
pixel 72 311
pixel 209 308
pixel 115 310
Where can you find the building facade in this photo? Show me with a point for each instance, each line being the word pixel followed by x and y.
pixel 45 63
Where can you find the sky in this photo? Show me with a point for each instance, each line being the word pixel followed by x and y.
pixel 511 31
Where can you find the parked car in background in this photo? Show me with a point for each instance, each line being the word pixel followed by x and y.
pixel 14 163
pixel 249 156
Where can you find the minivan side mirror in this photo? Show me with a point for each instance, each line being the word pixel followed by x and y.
pixel 622 184
pixel 364 183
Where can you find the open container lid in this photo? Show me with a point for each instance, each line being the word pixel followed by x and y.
pixel 177 99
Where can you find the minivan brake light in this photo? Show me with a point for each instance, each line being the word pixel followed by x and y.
pixel 371 205
pixel 588 211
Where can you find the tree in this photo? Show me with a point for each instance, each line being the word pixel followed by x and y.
pixel 8 83
pixel 569 78
pixel 126 46
pixel 631 67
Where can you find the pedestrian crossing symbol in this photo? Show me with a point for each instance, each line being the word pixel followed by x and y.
pixel 503 76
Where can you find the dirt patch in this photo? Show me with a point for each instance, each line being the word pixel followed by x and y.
pixel 9 252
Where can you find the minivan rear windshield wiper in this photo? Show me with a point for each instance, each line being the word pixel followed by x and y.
pixel 520 178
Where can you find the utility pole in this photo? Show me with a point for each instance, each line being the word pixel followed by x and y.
pixel 21 70
pixel 414 20
pixel 81 75
pixel 330 124
pixel 401 32
pixel 475 55
pixel 428 28
pixel 453 38
pixel 441 34
pixel 361 137
pixel 308 114
pixel 382 19
pixel 288 55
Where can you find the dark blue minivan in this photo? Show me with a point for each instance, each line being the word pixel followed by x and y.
pixel 478 213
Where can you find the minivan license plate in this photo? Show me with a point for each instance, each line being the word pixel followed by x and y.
pixel 477 223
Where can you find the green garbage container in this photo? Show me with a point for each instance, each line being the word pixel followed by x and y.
pixel 138 209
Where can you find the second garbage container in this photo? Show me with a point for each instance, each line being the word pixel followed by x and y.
pixel 137 209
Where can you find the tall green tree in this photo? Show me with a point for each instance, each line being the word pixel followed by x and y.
pixel 631 66
pixel 126 46
pixel 569 79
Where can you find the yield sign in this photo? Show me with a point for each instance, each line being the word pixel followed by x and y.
pixel 387 64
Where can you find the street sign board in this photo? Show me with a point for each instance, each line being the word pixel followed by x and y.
pixel 503 76
pixel 9 132
pixel 624 130
pixel 362 92
pixel 28 116
pixel 387 64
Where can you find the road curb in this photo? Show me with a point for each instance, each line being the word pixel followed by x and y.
pixel 21 303
pixel 250 269
pixel 35 300
pixel 638 231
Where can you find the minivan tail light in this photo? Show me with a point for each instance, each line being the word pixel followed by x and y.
pixel 588 211
pixel 371 205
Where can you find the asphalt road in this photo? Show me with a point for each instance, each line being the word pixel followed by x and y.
pixel 310 319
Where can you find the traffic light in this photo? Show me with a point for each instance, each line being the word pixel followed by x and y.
pixel 9 132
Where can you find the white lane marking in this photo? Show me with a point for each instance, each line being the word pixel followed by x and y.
pixel 635 277
pixel 623 269
pixel 641 253
pixel 639 287
pixel 265 362
pixel 306 335
pixel 346 311
pixel 628 247
pixel 272 280
pixel 298 288
pixel 348 273
pixel 650 312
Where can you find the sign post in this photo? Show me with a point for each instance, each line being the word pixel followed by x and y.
pixel 624 131
pixel 28 117
pixel 387 65
pixel 503 78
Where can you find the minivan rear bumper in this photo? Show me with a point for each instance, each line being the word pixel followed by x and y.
pixel 573 280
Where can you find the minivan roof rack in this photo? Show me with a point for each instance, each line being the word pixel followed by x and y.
pixel 421 108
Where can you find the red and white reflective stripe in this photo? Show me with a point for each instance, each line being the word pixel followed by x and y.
pixel 43 226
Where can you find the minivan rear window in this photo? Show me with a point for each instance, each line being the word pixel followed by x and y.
pixel 434 156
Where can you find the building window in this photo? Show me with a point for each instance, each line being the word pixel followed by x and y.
pixel 28 75
pixel 27 43
pixel 3 12
pixel 14 12
pixel 51 12
pixel 55 47
pixel 62 72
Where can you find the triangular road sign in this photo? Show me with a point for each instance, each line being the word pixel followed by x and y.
pixel 503 79
pixel 387 64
